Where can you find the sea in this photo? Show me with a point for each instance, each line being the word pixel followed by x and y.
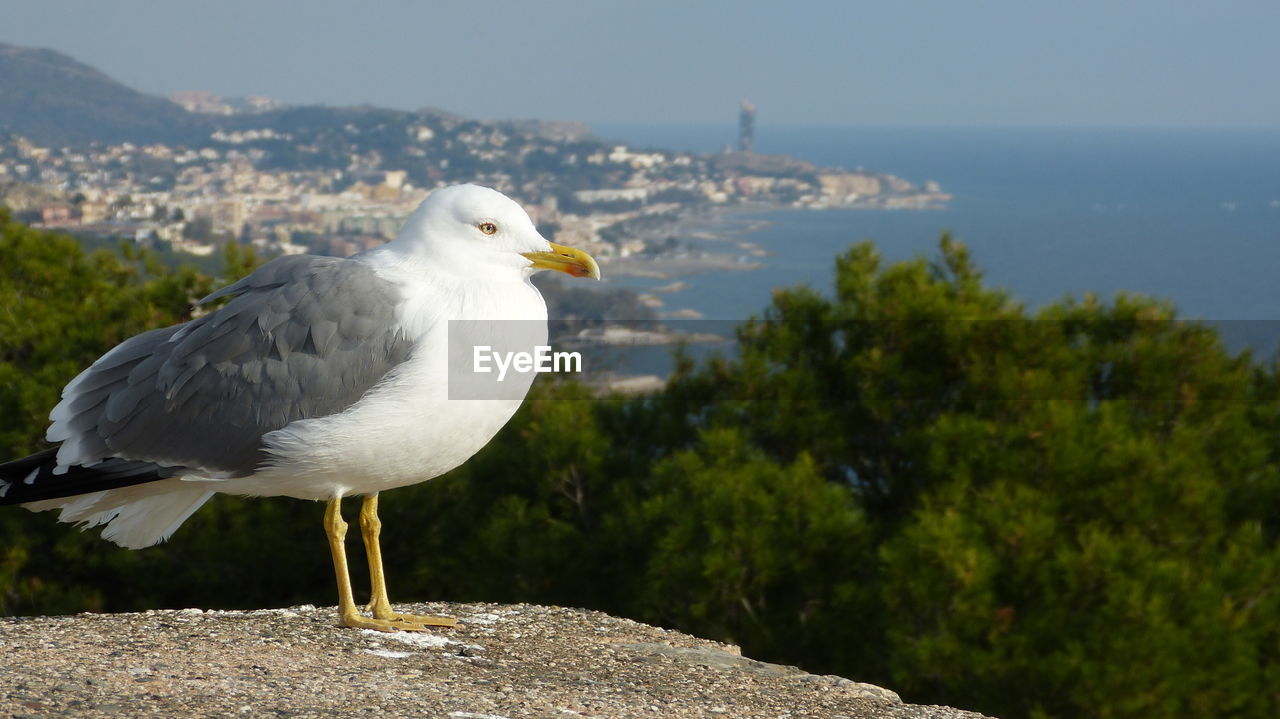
pixel 1191 216
pixel 1187 215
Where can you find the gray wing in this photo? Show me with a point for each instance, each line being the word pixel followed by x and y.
pixel 301 337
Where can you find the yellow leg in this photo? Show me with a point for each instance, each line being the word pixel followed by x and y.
pixel 379 604
pixel 336 529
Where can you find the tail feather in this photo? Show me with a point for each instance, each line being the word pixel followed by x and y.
pixel 139 502
pixel 135 517
pixel 32 479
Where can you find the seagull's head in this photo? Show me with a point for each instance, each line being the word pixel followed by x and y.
pixel 471 229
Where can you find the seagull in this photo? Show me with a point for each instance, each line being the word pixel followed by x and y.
pixel 320 378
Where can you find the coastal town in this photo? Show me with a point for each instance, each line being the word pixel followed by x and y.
pixel 336 181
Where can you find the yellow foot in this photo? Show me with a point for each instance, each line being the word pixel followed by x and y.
pixel 397 624
pixel 424 620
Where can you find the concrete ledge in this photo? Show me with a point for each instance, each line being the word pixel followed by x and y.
pixel 506 662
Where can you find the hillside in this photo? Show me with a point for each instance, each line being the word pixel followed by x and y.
pixel 52 98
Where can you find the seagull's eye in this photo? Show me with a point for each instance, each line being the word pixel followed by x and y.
pixel 488 228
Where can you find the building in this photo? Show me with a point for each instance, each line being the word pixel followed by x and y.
pixel 747 127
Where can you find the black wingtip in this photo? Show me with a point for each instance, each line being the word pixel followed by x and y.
pixel 31 478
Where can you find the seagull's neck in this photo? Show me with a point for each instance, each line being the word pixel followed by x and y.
pixel 432 295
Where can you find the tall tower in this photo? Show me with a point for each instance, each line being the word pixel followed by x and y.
pixel 747 127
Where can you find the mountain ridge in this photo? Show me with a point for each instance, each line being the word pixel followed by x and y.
pixel 53 98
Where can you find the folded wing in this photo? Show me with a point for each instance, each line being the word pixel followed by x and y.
pixel 301 337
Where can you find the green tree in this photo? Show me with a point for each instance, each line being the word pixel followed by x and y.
pixel 752 551
pixel 60 309
pixel 1074 510
pixel 198 228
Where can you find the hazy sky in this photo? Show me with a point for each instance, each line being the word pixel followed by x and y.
pixel 888 62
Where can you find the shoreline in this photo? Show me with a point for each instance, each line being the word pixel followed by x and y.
pixel 720 224
pixel 690 227
pixel 707 239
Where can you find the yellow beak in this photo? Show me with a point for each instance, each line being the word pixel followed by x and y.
pixel 565 259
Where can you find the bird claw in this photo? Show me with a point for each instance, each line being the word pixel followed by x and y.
pixel 424 620
pixel 400 623
pixel 383 613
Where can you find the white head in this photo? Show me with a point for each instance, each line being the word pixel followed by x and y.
pixel 469 229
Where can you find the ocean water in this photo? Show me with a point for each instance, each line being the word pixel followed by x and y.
pixel 1186 215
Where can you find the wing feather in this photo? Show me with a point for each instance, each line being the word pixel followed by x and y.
pixel 301 337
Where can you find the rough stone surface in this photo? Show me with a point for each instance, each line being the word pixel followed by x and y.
pixel 506 662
